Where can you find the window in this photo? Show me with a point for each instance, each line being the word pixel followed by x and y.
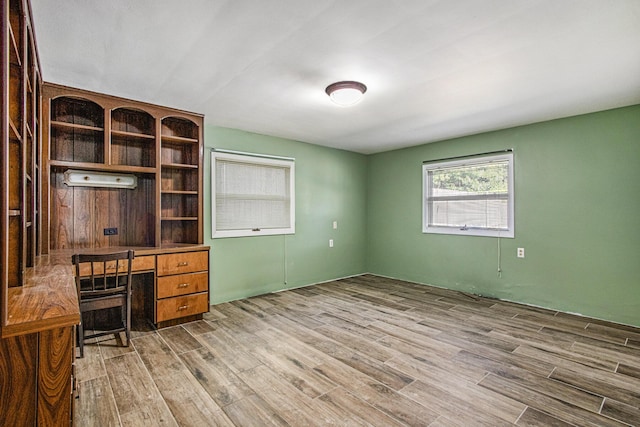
pixel 470 197
pixel 252 196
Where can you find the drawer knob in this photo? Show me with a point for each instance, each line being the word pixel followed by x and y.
pixel 182 307
pixel 183 285
pixel 183 264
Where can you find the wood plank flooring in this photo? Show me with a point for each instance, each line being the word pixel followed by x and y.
pixel 367 351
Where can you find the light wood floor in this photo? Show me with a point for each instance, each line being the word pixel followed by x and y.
pixel 367 351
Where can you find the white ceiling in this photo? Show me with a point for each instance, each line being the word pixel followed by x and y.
pixel 435 69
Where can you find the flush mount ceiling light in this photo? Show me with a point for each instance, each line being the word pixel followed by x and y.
pixel 346 93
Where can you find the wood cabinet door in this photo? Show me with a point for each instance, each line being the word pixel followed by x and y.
pixel 56 353
pixel 18 377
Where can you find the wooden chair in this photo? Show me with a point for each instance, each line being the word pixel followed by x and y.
pixel 103 281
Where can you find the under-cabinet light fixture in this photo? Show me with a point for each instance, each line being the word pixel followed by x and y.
pixel 346 93
pixel 76 178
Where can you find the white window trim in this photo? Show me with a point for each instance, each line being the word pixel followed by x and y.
pixel 256 159
pixel 486 232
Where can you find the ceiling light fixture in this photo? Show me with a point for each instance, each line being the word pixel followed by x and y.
pixel 346 93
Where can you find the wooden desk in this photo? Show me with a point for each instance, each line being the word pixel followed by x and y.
pixel 37 347
pixel 47 300
pixel 171 283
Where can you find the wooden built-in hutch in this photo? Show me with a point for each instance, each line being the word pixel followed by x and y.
pixel 47 131
pixel 161 218
pixel 94 132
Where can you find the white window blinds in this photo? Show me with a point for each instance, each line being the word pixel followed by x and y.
pixel 472 197
pixel 252 195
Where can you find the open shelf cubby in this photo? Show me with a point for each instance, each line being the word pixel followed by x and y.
pixel 77 130
pixel 133 141
pixel 179 231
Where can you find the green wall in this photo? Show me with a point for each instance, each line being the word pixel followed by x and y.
pixel 577 183
pixel 330 186
pixel 577 195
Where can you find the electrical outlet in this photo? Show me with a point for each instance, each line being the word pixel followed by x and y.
pixel 335 225
pixel 110 231
pixel 330 243
pixel 520 252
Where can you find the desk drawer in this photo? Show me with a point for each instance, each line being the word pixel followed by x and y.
pixel 173 308
pixel 182 284
pixel 184 262
pixel 141 263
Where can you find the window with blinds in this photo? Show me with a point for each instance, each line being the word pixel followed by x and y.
pixel 473 196
pixel 252 195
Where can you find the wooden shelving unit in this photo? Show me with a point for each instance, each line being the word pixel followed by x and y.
pixel 161 146
pixel 20 135
pixel 37 318
pixel 180 175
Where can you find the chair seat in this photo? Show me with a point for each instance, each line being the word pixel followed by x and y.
pixel 102 302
